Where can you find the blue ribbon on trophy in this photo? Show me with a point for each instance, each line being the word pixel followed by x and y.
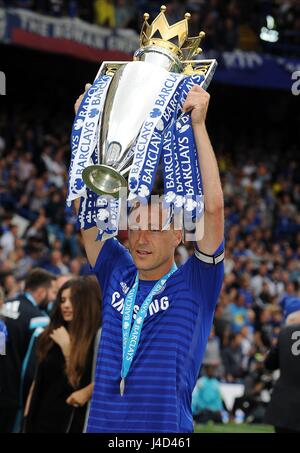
pixel 84 135
pixel 182 177
pixel 174 135
pixel 94 210
pixel 149 143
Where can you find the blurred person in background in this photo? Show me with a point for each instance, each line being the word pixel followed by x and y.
pixel 10 285
pixel 62 279
pixel 38 228
pixel 207 401
pixel 245 290
pixel 65 351
pixel 232 357
pixel 261 278
pixel 283 412
pixel 252 403
pixel 23 315
pixel 123 13
pixel 237 313
pixel 1 297
pixel 2 324
pixel 8 238
pixel 37 191
pixel 246 345
pixel 70 245
pixel 290 300
pixel 23 264
pixel 56 264
pixel 104 13
pixel 212 356
pixel 76 266
pixel 264 325
pixel 3 337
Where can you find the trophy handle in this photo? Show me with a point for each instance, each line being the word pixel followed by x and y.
pixel 110 68
pixel 205 67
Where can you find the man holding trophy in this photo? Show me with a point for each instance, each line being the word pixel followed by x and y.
pixel 156 317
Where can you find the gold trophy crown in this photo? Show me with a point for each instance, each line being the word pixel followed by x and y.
pixel 161 34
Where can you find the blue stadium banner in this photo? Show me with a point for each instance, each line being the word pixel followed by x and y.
pixel 72 36
pixel 254 69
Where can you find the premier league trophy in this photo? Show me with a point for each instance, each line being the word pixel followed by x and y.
pixel 131 119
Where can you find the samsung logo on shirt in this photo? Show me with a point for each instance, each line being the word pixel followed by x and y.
pixel 157 305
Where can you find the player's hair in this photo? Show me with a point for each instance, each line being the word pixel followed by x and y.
pixel 38 278
pixel 86 304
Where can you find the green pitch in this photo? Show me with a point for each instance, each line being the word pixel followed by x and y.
pixel 233 428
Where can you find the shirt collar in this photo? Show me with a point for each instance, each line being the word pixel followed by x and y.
pixel 30 298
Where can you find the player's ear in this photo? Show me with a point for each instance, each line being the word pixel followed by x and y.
pixel 177 237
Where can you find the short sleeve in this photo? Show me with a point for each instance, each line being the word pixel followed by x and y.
pixel 204 274
pixel 112 257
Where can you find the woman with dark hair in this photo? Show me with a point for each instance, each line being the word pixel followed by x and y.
pixel 63 385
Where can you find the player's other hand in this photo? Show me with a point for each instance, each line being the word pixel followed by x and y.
pixel 79 99
pixel 197 102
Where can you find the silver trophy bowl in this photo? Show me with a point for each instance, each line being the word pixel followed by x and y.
pixel 131 96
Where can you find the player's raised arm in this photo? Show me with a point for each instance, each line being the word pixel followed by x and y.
pixel 91 245
pixel 197 102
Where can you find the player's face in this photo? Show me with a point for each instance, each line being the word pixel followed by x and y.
pixel 66 305
pixel 151 247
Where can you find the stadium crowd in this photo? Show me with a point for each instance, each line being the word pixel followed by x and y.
pixel 228 25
